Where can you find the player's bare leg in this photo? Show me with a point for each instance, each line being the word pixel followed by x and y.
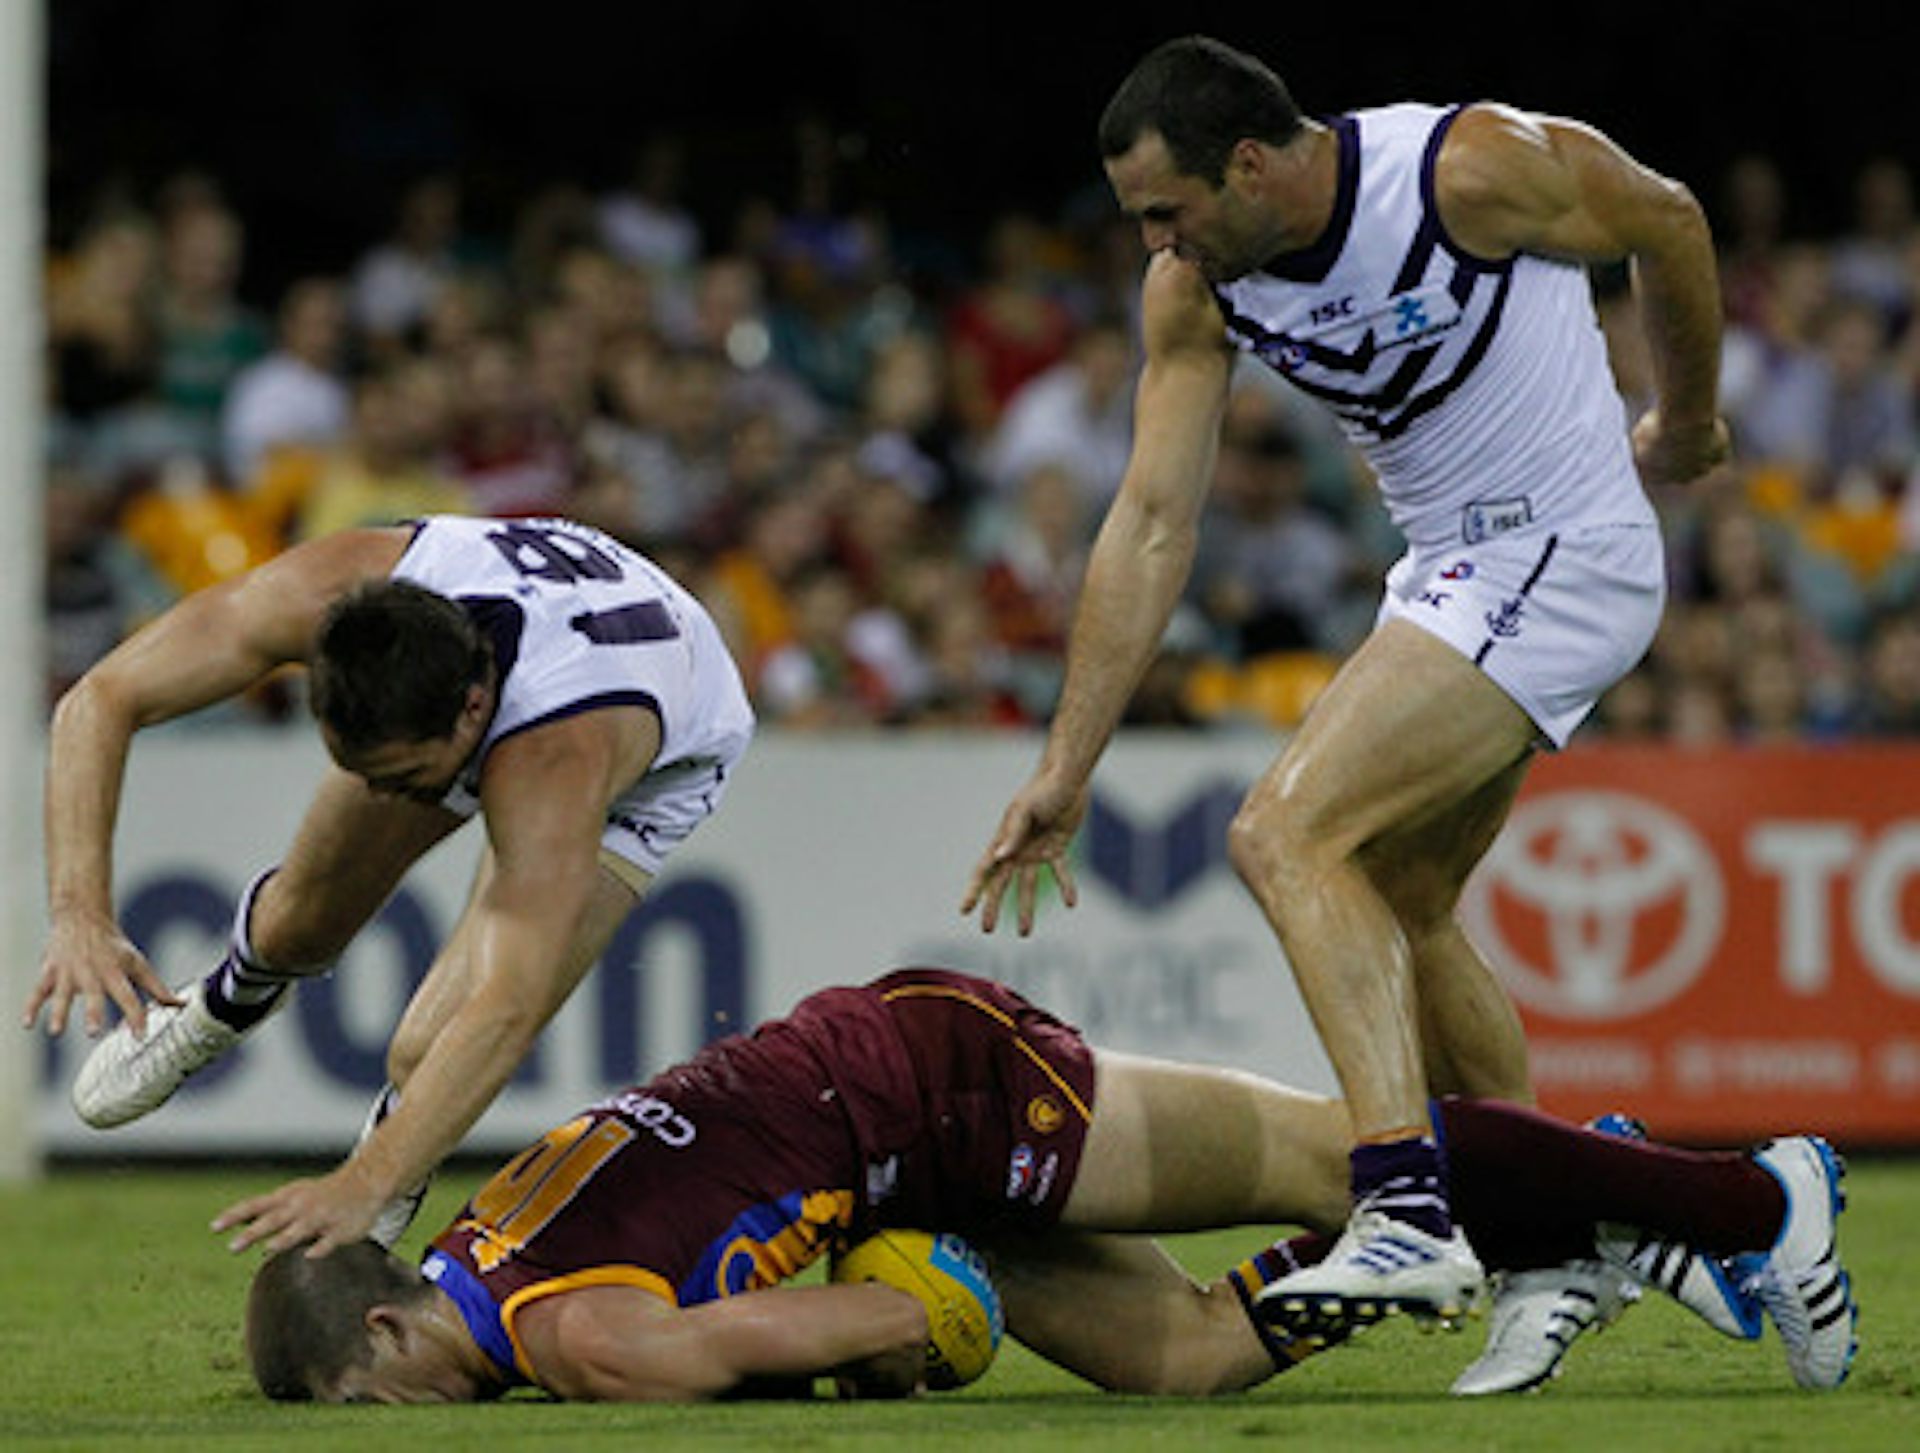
pixel 1471 1036
pixel 1121 1313
pixel 1408 730
pixel 1177 1147
pixel 1474 1045
pixel 350 853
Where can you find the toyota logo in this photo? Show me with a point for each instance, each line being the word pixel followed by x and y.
pixel 1596 905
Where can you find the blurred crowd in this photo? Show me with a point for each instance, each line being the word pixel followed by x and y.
pixel 881 458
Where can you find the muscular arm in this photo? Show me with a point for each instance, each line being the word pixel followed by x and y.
pixel 1509 182
pixel 545 795
pixel 1139 566
pixel 211 646
pixel 1144 551
pixel 619 1344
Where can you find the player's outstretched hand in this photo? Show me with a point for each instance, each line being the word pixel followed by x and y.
pixel 90 959
pixel 1035 832
pixel 328 1211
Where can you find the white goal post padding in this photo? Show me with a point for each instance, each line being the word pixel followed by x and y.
pixel 22 558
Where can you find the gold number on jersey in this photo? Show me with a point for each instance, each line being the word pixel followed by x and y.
pixel 533 1187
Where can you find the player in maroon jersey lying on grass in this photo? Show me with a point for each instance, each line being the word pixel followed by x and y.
pixel 635 1253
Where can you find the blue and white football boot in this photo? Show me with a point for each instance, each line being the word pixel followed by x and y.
pixel 1703 1284
pixel 1799 1280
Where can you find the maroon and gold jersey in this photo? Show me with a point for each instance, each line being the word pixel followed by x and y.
pixel 925 1098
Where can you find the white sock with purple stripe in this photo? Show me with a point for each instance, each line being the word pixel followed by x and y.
pixel 242 991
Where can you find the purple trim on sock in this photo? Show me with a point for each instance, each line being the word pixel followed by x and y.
pixel 221 1004
pixel 1404 1179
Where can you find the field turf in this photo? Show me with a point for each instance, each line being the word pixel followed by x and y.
pixel 119 1317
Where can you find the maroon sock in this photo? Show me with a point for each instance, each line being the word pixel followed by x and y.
pixel 1262 1270
pixel 1529 1188
pixel 1266 1267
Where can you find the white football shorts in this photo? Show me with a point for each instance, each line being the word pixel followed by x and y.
pixel 1552 617
pixel 646 824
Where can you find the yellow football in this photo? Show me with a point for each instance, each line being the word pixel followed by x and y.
pixel 950 1278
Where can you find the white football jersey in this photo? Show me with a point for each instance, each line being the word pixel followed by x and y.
pixel 1479 391
pixel 578 621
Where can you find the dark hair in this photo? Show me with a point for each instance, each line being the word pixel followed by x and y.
pixel 1202 97
pixel 307 1317
pixel 392 663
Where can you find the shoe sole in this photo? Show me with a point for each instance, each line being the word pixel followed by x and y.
pixel 1534 1384
pixel 1322 1321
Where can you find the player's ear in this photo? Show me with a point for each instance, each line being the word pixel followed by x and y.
pixel 386 1328
pixel 1247 161
pixel 479 703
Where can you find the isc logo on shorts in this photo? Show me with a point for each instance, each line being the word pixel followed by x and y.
pixel 1486 518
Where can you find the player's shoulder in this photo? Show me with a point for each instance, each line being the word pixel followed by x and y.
pixel 1489 140
pixel 330 565
pixel 1497 161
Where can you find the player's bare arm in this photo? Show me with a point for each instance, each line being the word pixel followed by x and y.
pixel 622 1344
pixel 1510 182
pixel 1138 568
pixel 544 793
pixel 210 647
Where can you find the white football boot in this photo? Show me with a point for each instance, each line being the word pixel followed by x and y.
pixel 1378 1267
pixel 128 1075
pixel 1704 1285
pixel 1536 1317
pixel 1800 1280
pixel 1700 1283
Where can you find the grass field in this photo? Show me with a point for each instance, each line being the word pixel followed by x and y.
pixel 119 1318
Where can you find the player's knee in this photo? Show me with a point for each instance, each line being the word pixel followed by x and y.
pixel 1273 842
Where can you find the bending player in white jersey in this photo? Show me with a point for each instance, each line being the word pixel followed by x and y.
pixel 535 671
pixel 1419 271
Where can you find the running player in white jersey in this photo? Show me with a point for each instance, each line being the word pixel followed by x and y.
pixel 534 671
pixel 1420 272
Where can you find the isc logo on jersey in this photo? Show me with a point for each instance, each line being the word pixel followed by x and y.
pixel 1404 319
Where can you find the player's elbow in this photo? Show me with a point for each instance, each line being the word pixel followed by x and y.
pixel 1147 543
pixel 94 701
pixel 1669 217
pixel 1165 524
